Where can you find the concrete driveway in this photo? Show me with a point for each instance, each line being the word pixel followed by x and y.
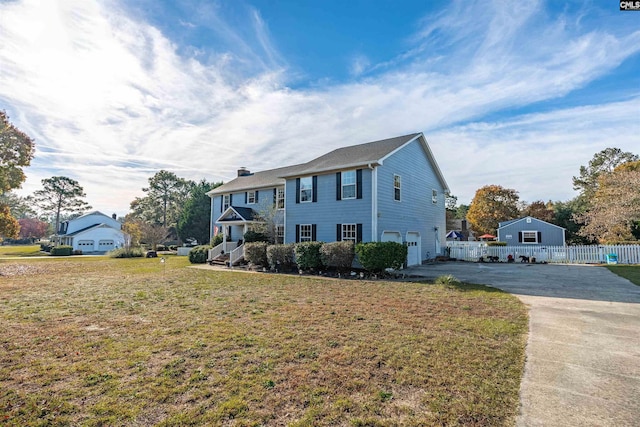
pixel 583 351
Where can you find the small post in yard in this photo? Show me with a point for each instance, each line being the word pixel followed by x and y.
pixel 164 266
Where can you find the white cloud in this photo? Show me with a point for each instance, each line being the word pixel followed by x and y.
pixel 110 101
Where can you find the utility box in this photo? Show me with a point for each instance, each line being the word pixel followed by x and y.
pixel 612 258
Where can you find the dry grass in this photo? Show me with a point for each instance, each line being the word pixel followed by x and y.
pixel 99 341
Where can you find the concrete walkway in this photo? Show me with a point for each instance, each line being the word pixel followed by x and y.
pixel 583 351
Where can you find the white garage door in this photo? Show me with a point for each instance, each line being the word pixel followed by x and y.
pixel 85 245
pixel 413 248
pixel 106 245
pixel 391 236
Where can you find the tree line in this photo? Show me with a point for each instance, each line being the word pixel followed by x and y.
pixel 606 209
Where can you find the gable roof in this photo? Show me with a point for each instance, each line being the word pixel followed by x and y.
pixel 513 221
pixel 370 153
pixel 237 214
pixel 91 227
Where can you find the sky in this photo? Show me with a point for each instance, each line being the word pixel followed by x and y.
pixel 517 94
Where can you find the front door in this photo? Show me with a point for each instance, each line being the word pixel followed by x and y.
pixel 413 248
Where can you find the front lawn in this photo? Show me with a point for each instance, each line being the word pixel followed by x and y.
pixel 20 251
pixel 629 272
pixel 100 341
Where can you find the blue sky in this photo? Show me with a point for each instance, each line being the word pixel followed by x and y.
pixel 518 94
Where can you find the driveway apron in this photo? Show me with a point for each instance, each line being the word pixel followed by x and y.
pixel 583 352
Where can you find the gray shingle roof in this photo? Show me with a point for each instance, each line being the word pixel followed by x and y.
pixel 341 158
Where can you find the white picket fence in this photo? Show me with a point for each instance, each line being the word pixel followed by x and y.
pixel 594 254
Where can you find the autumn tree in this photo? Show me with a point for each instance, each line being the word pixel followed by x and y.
pixel 16 152
pixel 195 218
pixel 603 162
pixel 60 195
pixel 614 212
pixel 32 228
pixel 490 205
pixel 540 210
pixel 9 226
pixel 153 234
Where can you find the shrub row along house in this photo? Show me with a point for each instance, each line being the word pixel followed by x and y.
pixel 388 190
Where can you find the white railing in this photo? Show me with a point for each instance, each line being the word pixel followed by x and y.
pixel 220 249
pixel 236 255
pixel 591 254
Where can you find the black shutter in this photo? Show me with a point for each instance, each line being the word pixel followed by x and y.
pixel 539 237
pixel 245 197
pixel 275 196
pixel 221 202
pixel 359 184
pixel 314 181
pixel 520 236
pixel 230 199
pixel 338 232
pixel 358 233
pixel 297 233
pixel 338 185
pixel 313 232
pixel 297 190
pixel 256 199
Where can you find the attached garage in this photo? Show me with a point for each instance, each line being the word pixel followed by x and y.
pixel 85 245
pixel 391 236
pixel 413 248
pixel 106 245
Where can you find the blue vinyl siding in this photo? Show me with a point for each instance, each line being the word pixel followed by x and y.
pixel 549 234
pixel 327 211
pixel 415 211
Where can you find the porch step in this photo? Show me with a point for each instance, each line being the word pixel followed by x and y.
pixel 220 260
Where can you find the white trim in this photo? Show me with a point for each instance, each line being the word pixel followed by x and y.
pixel 310 199
pixel 535 233
pixel 355 184
pixel 299 236
pixel 418 245
pixel 388 232
pixel 355 232
pixel 515 221
pixel 249 202
pixel 374 204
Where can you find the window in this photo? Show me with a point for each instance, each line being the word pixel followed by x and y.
pixel 226 201
pixel 529 237
pixel 434 196
pixel 306 189
pixel 279 233
pixel 251 197
pixel 349 232
pixel 349 185
pixel 396 187
pixel 306 233
pixel 280 198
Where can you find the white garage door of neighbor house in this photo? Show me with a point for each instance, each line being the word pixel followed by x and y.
pixel 105 245
pixel 85 245
pixel 413 248
pixel 391 236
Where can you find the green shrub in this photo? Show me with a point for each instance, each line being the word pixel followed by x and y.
pixel 496 243
pixel 256 253
pixel 308 255
pixel 254 236
pixel 338 255
pixel 46 247
pixel 378 256
pixel 216 240
pixel 62 250
pixel 199 254
pixel 281 257
pixel 447 280
pixel 127 253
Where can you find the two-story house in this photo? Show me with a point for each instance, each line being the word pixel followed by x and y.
pixel 93 232
pixel 388 190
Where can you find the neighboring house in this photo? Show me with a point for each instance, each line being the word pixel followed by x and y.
pixel 388 190
pixel 92 232
pixel 530 231
pixel 461 226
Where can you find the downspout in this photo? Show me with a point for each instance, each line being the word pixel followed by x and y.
pixel 374 202
pixel 211 226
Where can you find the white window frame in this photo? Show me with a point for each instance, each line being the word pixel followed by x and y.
pixel 306 189
pixel 226 202
pixel 349 181
pixel 535 237
pixel 434 196
pixel 280 198
pixel 350 232
pixel 251 197
pixel 306 233
pixel 397 188
pixel 279 233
